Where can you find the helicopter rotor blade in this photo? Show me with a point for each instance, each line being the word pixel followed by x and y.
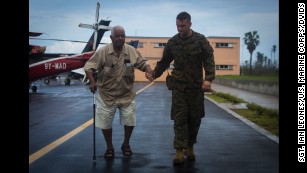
pixel 86 26
pixel 105 27
pixel 54 39
pixel 95 39
pixel 97 12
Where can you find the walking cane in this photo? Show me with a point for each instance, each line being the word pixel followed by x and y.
pixel 94 122
pixel 94 139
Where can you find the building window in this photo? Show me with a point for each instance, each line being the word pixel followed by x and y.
pixel 159 45
pixel 223 45
pixel 224 67
pixel 140 44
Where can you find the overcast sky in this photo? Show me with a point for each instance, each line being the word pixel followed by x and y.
pixel 59 19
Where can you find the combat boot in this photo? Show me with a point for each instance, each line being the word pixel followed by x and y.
pixel 189 152
pixel 179 157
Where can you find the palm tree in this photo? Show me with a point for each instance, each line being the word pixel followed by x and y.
pixel 274 50
pixel 251 40
pixel 265 61
pixel 271 57
pixel 260 59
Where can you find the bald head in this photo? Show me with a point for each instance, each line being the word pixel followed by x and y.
pixel 118 37
pixel 116 29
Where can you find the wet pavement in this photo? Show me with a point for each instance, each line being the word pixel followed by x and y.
pixel 61 136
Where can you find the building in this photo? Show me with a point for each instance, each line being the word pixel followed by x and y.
pixel 226 53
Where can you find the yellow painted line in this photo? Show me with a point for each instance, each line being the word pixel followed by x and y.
pixel 58 142
pixel 144 88
pixel 33 157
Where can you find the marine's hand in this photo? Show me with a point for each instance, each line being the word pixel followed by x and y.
pixel 150 75
pixel 206 86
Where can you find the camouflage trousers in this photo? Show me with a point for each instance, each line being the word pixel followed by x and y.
pixel 187 111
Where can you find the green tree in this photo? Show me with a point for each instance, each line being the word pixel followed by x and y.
pixel 251 40
pixel 260 59
pixel 265 60
pixel 273 51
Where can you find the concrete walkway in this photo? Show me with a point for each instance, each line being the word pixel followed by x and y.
pixel 264 100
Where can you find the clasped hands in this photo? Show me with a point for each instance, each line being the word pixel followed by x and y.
pixel 149 74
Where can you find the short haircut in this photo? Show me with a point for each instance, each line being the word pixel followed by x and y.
pixel 184 16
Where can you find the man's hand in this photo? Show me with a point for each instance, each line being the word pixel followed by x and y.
pixel 149 73
pixel 91 78
pixel 93 87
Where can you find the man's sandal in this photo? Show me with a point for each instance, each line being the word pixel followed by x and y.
pixel 109 154
pixel 126 150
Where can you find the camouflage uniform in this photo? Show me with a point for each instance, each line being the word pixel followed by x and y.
pixel 191 55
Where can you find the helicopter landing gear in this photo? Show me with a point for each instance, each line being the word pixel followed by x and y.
pixel 46 81
pixel 67 81
pixel 34 88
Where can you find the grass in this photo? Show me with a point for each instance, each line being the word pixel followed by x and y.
pixel 263 117
pixel 273 78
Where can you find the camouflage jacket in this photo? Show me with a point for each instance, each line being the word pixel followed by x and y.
pixel 190 55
